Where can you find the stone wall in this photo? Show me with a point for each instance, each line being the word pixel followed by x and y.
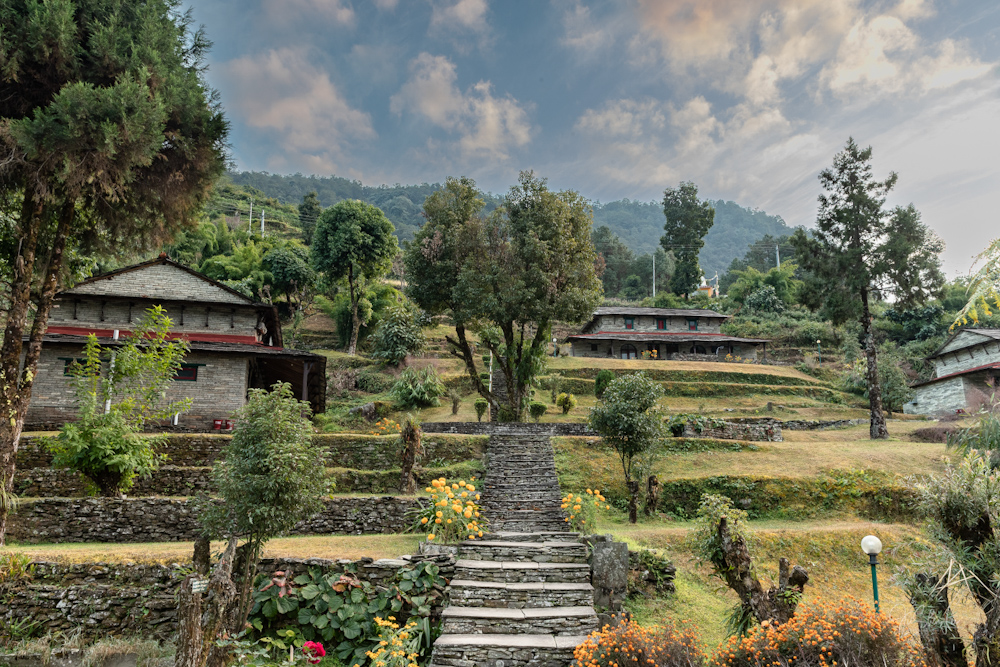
pixel 766 432
pixel 173 520
pixel 101 599
pixel 940 398
pixel 505 428
pixel 167 481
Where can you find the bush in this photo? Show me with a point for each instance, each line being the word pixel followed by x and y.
pixel 371 381
pixel 452 515
pixel 536 409
pixel 764 300
pixel 456 401
pixel 846 633
pixel 418 388
pixel 481 406
pixel 631 645
pixel 566 401
pixel 601 382
pixel 397 336
pixel 581 513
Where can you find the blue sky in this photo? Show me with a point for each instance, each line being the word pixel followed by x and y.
pixel 749 99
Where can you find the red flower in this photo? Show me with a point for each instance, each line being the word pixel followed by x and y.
pixel 314 652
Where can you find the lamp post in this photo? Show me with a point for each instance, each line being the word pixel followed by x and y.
pixel 819 350
pixel 872 546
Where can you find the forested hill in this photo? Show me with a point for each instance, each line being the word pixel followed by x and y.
pixel 638 224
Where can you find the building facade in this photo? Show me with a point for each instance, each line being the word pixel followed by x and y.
pixel 966 368
pixel 661 333
pixel 235 343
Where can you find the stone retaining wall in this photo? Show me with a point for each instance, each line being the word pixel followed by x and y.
pixel 101 599
pixel 766 432
pixel 505 428
pixel 172 520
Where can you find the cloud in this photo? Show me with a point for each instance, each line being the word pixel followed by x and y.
pixel 284 12
pixel 487 126
pixel 583 33
pixel 386 5
pixel 462 14
pixel 283 93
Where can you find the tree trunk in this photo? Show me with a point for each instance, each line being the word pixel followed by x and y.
pixel 412 450
pixel 734 564
pixel 938 631
pixel 877 428
pixel 213 612
pixel 652 495
pixel 15 388
pixel 189 632
pixel 352 345
pixel 633 501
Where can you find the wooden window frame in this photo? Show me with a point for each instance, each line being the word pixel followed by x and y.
pixel 692 325
pixel 629 323
pixel 661 323
pixel 187 367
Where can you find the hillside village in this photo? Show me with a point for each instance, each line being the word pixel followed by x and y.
pixel 257 420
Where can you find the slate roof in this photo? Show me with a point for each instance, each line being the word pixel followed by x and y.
pixel 985 367
pixel 659 312
pixel 664 336
pixel 993 334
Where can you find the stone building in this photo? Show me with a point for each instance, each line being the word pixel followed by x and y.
pixel 235 343
pixel 965 371
pixel 660 333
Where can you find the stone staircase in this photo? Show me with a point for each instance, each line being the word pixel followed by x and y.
pixel 522 596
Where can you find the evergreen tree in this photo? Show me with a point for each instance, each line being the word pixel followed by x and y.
pixel 688 221
pixel 111 141
pixel 860 252
pixel 309 211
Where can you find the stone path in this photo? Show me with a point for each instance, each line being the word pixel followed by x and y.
pixel 521 596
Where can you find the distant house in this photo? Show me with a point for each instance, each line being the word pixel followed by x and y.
pixel 661 333
pixel 235 342
pixel 965 369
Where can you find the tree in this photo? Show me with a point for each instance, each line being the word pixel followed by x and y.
pixel 617 256
pixel 860 252
pixel 688 221
pixel 633 289
pixel 398 335
pixel 627 419
pixel 270 477
pixel 781 279
pixel 106 443
pixel 354 241
pixel 290 270
pixel 506 277
pixel 309 212
pixel 111 141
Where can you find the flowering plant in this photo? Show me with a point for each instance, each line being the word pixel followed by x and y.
pixel 453 513
pixel 397 647
pixel 314 652
pixel 630 645
pixel 582 514
pixel 385 426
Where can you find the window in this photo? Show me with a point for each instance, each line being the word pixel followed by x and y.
pixel 692 325
pixel 661 323
pixel 629 323
pixel 188 373
pixel 629 352
pixel 593 347
pixel 69 361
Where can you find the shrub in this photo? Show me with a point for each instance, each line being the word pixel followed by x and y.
pixel 418 388
pixel 845 633
pixel 764 300
pixel 536 409
pixel 453 512
pixel 566 401
pixel 371 381
pixel 397 336
pixel 555 388
pixel 631 645
pixel 456 401
pixel 601 382
pixel 481 405
pixel 581 514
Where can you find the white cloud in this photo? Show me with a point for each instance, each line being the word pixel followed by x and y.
pixel 283 92
pixel 583 33
pixel 463 14
pixel 386 5
pixel 283 12
pixel 486 125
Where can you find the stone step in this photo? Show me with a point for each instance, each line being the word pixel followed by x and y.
pixel 488 650
pixel 519 572
pixel 536 594
pixel 527 494
pixel 532 536
pixel 557 621
pixel 527 552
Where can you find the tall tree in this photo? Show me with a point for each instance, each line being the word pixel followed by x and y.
pixel 860 252
pixel 110 140
pixel 688 221
pixel 309 211
pixel 618 259
pixel 354 241
pixel 505 277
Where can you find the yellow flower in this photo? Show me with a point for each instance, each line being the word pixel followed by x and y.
pixel 449 520
pixel 465 494
pixel 424 520
pixel 438 514
pixel 429 490
pixel 437 520
pixel 430 536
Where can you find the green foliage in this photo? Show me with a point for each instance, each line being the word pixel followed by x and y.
pixel 537 409
pixel 270 474
pixel 340 609
pixel 309 212
pixel 565 401
pixel 107 445
pixel 982 436
pixel 688 221
pixel 371 381
pixel 481 405
pixel 418 388
pixel 705 540
pixel 781 280
pixel 633 289
pixel 377 300
pixel 604 377
pixel 291 273
pixel 764 300
pixel 627 418
pixel 894 383
pixel 243 268
pixel 397 336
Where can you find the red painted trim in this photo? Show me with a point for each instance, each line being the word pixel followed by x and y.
pixel 650 333
pixel 992 366
pixel 198 337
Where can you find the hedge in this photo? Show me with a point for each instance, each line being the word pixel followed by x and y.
pixel 669 375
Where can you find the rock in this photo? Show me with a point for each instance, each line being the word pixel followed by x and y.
pixel 609 574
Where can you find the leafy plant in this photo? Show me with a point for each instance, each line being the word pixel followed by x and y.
pixel 537 409
pixel 452 515
pixel 628 644
pixel 604 377
pixel 418 388
pixel 582 512
pixel 397 336
pixel 15 567
pixel 566 401
pixel 481 405
pixel 456 401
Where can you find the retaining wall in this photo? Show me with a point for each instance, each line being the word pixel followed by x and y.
pixel 505 428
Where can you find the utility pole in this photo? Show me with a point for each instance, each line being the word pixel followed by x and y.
pixel 250 222
pixel 777 255
pixel 654 273
pixel 262 222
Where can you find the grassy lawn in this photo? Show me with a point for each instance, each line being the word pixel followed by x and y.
pixel 573 363
pixel 310 546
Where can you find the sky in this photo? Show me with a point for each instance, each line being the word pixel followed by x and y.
pixel 749 99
